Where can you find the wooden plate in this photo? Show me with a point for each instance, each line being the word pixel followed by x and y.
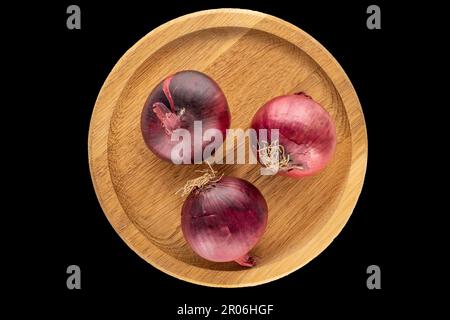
pixel 253 57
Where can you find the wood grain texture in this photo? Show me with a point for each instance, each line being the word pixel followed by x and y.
pixel 253 57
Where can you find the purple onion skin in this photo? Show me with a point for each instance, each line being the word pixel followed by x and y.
pixel 306 131
pixel 199 96
pixel 224 220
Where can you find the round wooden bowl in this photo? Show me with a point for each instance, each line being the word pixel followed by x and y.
pixel 253 57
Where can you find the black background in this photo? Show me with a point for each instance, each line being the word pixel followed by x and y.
pixel 70 67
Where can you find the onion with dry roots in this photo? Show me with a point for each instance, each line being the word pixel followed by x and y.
pixel 307 135
pixel 223 218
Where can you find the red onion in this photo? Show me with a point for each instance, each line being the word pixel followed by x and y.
pixel 307 134
pixel 223 219
pixel 175 103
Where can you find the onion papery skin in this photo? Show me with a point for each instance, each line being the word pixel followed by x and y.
pixel 306 131
pixel 224 220
pixel 178 101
